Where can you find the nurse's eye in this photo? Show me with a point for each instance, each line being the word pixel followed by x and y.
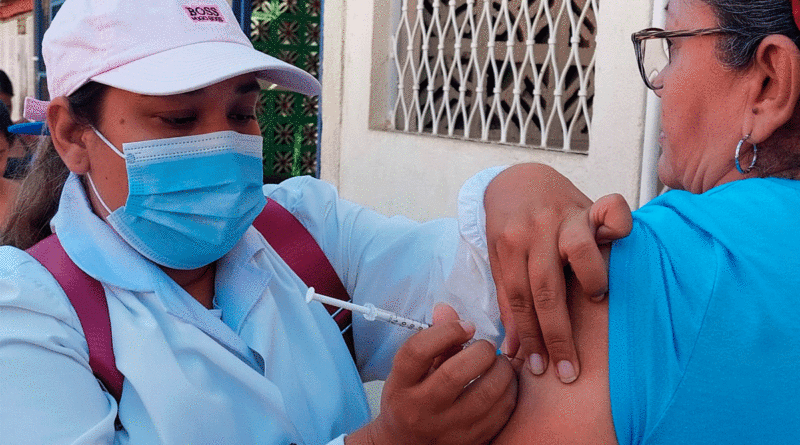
pixel 179 121
pixel 242 117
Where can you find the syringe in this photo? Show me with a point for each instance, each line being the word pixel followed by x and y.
pixel 373 313
pixel 369 310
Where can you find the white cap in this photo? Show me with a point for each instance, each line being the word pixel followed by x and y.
pixel 156 47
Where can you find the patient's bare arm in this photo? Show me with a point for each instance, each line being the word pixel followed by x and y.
pixel 537 222
pixel 549 412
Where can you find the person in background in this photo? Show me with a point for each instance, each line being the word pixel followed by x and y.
pixel 151 179
pixel 6 91
pixel 11 152
pixel 698 341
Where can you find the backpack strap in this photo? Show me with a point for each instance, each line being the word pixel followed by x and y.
pixel 290 239
pixel 295 245
pixel 89 300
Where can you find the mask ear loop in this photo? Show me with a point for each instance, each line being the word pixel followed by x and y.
pixel 110 145
pixel 96 193
pixel 89 176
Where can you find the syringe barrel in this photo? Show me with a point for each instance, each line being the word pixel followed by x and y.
pixel 400 321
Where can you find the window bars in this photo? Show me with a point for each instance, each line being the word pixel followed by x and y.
pixel 509 71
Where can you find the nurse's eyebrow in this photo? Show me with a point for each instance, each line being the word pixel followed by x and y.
pixel 248 87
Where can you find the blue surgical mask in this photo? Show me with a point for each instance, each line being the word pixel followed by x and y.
pixel 190 199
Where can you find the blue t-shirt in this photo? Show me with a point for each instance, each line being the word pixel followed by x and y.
pixel 704 317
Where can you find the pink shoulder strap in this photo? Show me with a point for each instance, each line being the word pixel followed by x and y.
pixel 295 245
pixel 89 300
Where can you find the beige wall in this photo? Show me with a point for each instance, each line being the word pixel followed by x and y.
pixel 419 176
pixel 16 59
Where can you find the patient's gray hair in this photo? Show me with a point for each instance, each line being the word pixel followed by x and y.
pixel 751 21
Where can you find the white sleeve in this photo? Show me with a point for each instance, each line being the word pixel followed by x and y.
pixel 48 393
pixel 338 441
pixel 399 264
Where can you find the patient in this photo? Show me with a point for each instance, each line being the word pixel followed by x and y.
pixel 699 339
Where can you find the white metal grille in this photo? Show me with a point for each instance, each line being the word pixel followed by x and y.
pixel 509 71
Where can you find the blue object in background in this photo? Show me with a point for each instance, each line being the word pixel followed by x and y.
pixel 35 128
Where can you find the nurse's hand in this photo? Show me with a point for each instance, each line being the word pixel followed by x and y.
pixel 538 222
pixel 435 396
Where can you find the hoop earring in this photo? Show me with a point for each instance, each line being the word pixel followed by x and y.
pixel 736 158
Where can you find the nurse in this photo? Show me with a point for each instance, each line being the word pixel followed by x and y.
pixel 156 164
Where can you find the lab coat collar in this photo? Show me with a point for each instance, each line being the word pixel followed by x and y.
pixel 95 247
pixel 241 279
pixel 238 287
pixel 192 312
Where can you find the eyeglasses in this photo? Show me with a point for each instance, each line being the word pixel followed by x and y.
pixel 652 47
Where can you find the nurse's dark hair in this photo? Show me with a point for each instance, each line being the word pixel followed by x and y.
pixel 5 122
pixel 749 22
pixel 5 84
pixel 39 193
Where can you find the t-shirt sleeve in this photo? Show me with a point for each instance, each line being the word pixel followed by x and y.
pixel 661 277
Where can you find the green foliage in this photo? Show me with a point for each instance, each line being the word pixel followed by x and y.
pixel 274 9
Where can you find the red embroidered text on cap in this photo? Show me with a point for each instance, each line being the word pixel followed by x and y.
pixel 204 14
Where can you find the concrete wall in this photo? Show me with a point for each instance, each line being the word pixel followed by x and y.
pixel 16 58
pixel 419 176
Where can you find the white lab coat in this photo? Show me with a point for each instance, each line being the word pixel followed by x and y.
pixel 264 366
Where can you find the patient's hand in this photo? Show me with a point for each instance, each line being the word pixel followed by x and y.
pixel 439 393
pixel 538 222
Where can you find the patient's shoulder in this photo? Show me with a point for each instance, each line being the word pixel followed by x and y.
pixel 551 412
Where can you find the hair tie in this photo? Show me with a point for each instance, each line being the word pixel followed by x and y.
pixel 796 12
